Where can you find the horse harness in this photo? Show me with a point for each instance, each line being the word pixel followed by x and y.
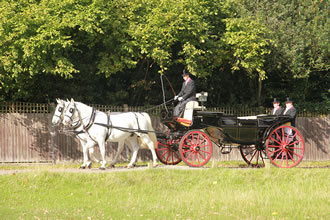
pixel 108 125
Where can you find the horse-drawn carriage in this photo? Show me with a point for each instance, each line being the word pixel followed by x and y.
pixel 191 138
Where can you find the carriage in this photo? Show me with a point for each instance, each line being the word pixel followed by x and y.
pixel 259 138
pixel 189 139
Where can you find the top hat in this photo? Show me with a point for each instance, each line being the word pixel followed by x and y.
pixel 288 100
pixel 276 100
pixel 185 72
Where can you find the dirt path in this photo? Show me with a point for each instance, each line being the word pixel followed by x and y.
pixel 96 170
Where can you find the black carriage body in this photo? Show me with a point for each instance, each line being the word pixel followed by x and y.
pixel 257 137
pixel 231 129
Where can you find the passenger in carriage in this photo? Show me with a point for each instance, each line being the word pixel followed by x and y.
pixel 187 93
pixel 290 110
pixel 277 110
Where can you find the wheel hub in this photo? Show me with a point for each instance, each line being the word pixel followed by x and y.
pixel 197 148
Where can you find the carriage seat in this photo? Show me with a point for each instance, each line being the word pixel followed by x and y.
pixel 187 119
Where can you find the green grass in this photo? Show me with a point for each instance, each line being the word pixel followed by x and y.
pixel 215 193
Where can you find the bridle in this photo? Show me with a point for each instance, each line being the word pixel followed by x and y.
pixel 80 122
pixel 59 110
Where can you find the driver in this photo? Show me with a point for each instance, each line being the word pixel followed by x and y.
pixel 187 93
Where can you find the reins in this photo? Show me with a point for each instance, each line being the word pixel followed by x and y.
pixel 164 97
pixel 85 128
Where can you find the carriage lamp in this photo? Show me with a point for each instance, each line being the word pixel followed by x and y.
pixel 202 97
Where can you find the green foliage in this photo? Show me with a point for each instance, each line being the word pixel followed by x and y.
pixel 247 38
pixel 113 51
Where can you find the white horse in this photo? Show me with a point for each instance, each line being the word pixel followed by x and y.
pixel 97 127
pixel 59 110
pixel 82 136
pixel 58 119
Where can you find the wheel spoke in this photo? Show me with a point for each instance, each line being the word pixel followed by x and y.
pixel 276 140
pixel 189 155
pixel 187 146
pixel 300 156
pixel 197 140
pixel 197 158
pixel 278 154
pixel 198 143
pixel 168 156
pixel 257 156
pixel 189 140
pixel 205 151
pixel 274 146
pixel 253 156
pixel 292 157
pixel 282 135
pixel 165 153
pixel 204 146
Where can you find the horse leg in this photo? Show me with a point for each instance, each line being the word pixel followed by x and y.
pixel 120 149
pixel 147 140
pixel 135 149
pixel 87 162
pixel 101 144
pixel 92 156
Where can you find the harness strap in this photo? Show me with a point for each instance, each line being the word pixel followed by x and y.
pixel 91 120
pixel 90 123
pixel 109 126
pixel 137 120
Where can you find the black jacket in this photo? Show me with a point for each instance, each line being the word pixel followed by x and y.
pixel 188 92
pixel 292 113
pixel 278 111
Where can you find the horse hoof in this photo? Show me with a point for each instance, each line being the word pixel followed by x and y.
pixel 155 165
pixel 82 167
pixel 130 166
pixel 112 166
pixel 90 166
pixel 102 168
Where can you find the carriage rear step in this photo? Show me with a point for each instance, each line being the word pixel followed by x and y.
pixel 226 150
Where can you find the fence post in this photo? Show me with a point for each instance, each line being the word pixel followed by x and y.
pixel 125 107
pixel 52 133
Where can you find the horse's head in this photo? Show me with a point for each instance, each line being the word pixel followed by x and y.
pixel 59 110
pixel 70 113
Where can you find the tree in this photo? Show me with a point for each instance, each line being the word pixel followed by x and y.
pixel 248 41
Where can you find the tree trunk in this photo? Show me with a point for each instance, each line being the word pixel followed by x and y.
pixel 259 91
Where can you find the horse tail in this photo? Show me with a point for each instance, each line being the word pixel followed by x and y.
pixel 151 130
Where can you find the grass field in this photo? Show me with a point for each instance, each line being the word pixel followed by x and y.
pixel 212 193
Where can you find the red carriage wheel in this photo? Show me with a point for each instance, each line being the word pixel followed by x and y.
pixel 285 146
pixel 167 151
pixel 195 148
pixel 254 155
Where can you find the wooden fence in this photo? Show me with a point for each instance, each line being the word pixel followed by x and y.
pixel 27 135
